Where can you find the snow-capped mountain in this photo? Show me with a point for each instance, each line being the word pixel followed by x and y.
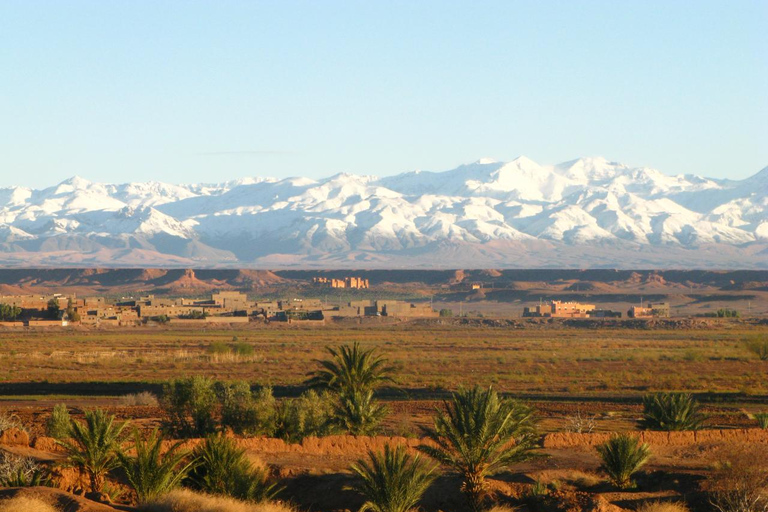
pixel 581 213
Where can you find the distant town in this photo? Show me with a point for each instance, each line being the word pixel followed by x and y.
pixel 235 307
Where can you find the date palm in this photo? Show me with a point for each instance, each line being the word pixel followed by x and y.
pixel 479 434
pixel 671 411
pixel 93 446
pixel 351 369
pixel 622 456
pixel 151 472
pixel 392 481
pixel 359 413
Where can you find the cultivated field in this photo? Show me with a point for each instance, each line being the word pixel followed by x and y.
pixel 535 361
pixel 577 378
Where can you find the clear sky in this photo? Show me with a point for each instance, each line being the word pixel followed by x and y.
pixel 194 91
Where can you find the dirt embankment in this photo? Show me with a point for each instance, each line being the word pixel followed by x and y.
pixel 748 435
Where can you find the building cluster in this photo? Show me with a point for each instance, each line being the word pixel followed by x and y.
pixel 222 307
pixel 560 309
pixel 345 282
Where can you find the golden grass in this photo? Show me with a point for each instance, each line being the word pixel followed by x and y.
pixel 662 506
pixel 26 504
pixel 184 500
pixel 536 360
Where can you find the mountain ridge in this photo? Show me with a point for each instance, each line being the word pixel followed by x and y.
pixel 579 213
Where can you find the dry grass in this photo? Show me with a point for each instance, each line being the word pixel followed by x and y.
pixel 502 508
pixel 662 506
pixel 184 500
pixel 26 504
pixel 582 480
pixel 536 360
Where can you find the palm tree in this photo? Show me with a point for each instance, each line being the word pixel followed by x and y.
pixel 351 369
pixel 393 481
pixel 622 456
pixel 671 411
pixel 93 446
pixel 152 473
pixel 358 413
pixel 479 434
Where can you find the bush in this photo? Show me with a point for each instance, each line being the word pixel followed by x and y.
pixel 224 469
pixel 662 506
pixel 392 481
pixel 762 420
pixel 189 405
pixel 218 348
pixel 247 413
pixel 9 420
pixel 671 411
pixel 145 398
pixel 312 414
pixel 758 345
pixel 93 446
pixel 243 349
pixel 738 483
pixel 622 456
pixel 446 313
pixel 17 471
pixel 58 423
pixel 184 500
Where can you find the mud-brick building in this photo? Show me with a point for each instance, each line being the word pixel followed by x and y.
pixel 344 282
pixel 658 310
pixel 559 309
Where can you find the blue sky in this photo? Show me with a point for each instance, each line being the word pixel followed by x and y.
pixel 195 91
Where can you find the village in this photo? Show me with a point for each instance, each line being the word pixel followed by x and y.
pixel 227 307
pixel 233 307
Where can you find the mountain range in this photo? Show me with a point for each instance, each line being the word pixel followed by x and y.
pixel 585 213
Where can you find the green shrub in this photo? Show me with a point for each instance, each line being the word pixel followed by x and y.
pixel 246 412
pixel 243 349
pixel 153 472
pixel 58 423
pixel 671 411
pixel 223 468
pixel 622 456
pixel 218 348
pixel 189 406
pixel 758 345
pixel 312 414
pixel 392 481
pixel 92 447
pixel 762 419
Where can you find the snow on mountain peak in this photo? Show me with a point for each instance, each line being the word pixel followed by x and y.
pixel 583 202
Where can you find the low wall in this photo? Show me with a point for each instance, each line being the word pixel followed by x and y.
pixel 749 435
